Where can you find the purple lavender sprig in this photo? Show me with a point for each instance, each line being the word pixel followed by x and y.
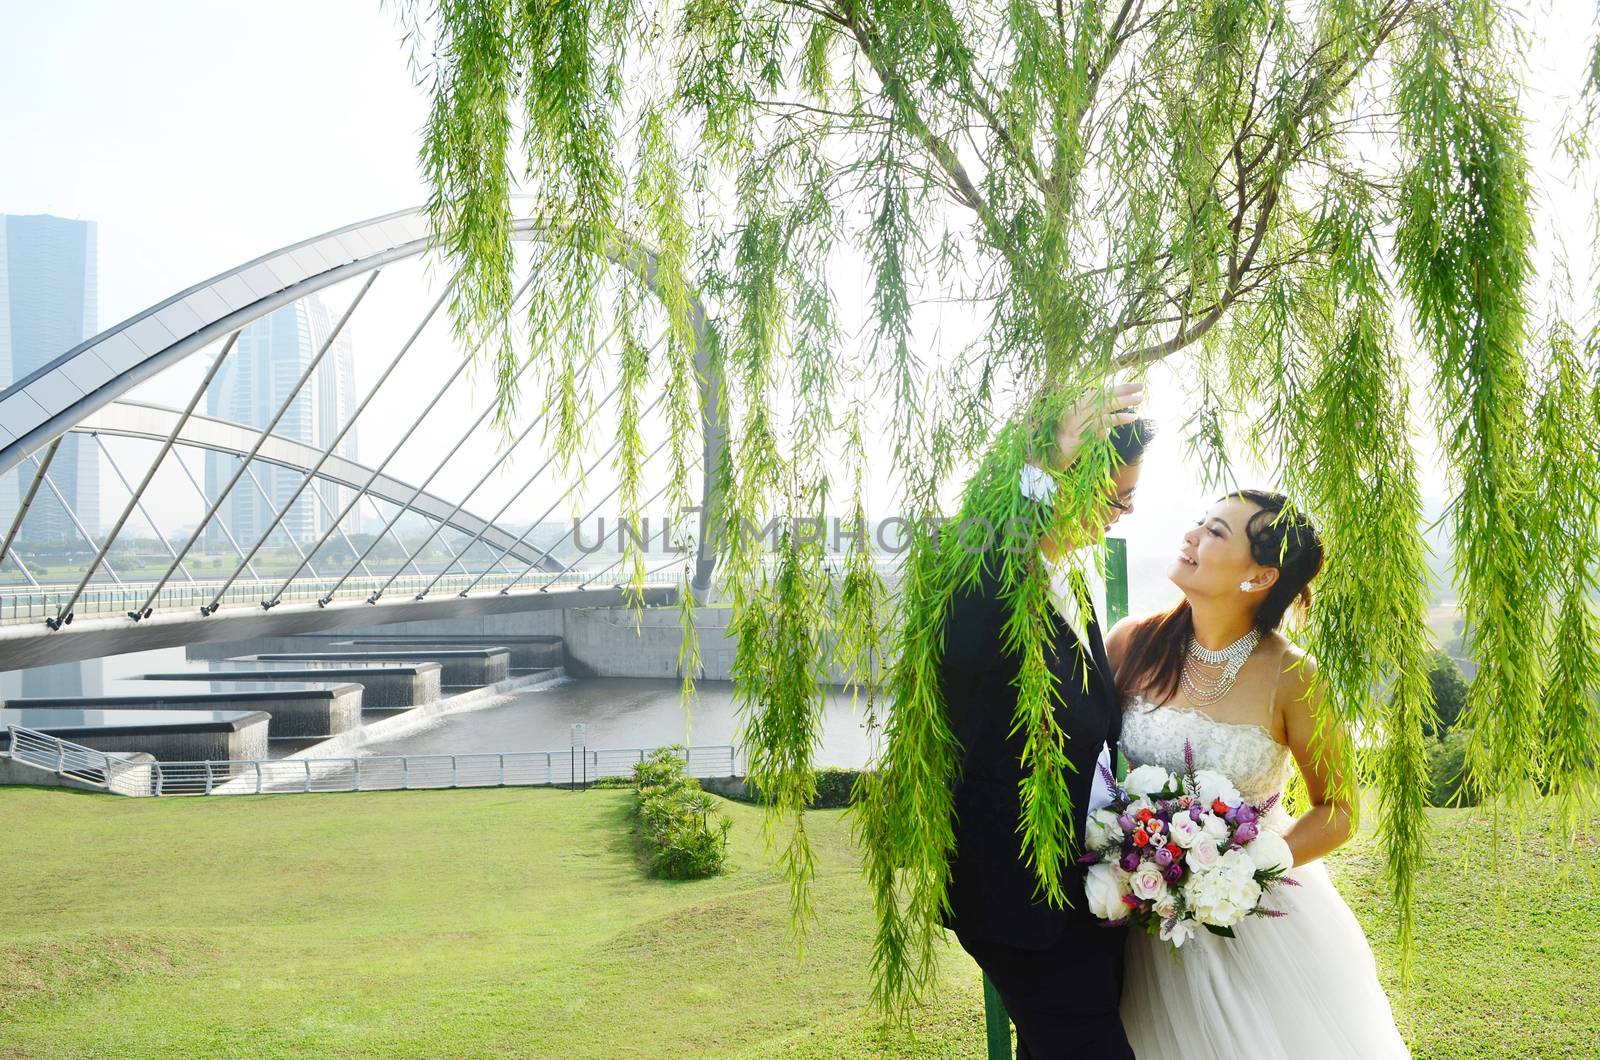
pixel 1111 782
pixel 1188 758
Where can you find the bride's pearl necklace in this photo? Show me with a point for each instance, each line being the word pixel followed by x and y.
pixel 1209 675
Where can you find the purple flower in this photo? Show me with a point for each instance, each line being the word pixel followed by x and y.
pixel 1173 872
pixel 1245 813
pixel 1245 833
pixel 1164 857
pixel 1130 861
pixel 1267 806
pixel 1196 812
pixel 1125 823
pixel 1188 756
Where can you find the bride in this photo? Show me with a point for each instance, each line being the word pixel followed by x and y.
pixel 1215 673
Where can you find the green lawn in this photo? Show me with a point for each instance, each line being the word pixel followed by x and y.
pixel 516 923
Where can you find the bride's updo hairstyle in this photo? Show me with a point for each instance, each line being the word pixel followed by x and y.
pixel 1280 536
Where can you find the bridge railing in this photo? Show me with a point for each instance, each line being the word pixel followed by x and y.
pixel 29 604
pixel 23 604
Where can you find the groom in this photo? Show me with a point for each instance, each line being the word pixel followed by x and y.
pixel 1058 971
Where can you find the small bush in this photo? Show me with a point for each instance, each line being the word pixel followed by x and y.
pixel 1447 759
pixel 681 839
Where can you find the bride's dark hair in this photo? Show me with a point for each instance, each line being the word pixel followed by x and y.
pixel 1280 536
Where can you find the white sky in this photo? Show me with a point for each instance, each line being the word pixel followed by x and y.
pixel 200 135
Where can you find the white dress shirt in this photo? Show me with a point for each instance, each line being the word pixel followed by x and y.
pixel 1038 485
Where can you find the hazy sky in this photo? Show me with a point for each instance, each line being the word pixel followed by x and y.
pixel 200 135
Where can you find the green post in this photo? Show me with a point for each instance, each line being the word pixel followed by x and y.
pixel 996 1024
pixel 1116 580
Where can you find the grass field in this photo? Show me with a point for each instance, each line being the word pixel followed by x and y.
pixel 516 923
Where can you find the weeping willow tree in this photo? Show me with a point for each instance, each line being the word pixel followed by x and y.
pixel 1276 196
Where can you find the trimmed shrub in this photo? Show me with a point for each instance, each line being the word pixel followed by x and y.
pixel 834 787
pixel 684 836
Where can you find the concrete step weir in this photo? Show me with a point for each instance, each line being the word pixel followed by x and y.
pixel 461 666
pixel 392 686
pixel 297 713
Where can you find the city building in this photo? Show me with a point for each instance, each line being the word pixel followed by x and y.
pixel 254 382
pixel 49 304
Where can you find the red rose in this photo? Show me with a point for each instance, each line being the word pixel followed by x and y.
pixel 1176 851
pixel 1140 839
pixel 1146 814
pixel 1218 806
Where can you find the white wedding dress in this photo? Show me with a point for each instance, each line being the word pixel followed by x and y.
pixel 1298 987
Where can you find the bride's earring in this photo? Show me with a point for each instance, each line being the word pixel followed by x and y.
pixel 1245 587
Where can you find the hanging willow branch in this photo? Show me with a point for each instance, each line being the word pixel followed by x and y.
pixel 1107 184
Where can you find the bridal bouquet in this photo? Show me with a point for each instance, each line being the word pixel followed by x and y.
pixel 1174 854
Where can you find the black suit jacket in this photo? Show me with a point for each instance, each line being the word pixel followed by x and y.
pixel 992 890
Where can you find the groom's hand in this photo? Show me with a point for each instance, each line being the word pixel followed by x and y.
pixel 1094 417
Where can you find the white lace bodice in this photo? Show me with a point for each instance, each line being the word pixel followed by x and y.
pixel 1257 764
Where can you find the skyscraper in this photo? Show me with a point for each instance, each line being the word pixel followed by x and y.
pixel 49 304
pixel 257 378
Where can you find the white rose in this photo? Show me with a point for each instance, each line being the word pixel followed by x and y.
pixel 1177 932
pixel 1211 786
pixel 1269 853
pixel 1147 883
pixel 1215 827
pixel 1102 829
pixel 1104 888
pixel 1137 804
pixel 1203 854
pixel 1148 780
pixel 1184 830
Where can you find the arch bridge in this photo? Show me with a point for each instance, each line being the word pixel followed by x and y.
pixel 449 540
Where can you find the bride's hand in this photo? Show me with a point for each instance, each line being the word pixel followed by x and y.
pixel 1095 416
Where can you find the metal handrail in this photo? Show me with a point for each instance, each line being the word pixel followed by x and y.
pixel 253 776
pixel 83 764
